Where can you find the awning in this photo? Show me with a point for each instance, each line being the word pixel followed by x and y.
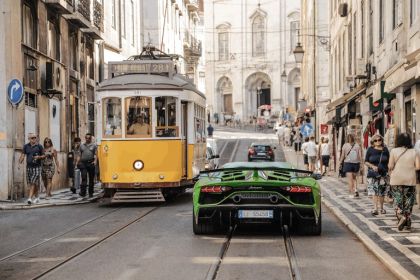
pixel 405 74
pixel 346 98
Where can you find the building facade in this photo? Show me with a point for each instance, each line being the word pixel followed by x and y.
pixel 374 80
pixel 246 56
pixel 52 47
pixel 172 26
pixel 315 41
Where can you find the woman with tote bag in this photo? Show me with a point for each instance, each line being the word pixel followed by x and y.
pixel 403 163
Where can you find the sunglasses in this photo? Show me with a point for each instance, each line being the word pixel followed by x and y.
pixel 32 137
pixel 48 141
pixel 377 140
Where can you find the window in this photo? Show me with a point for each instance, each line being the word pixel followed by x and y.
pixel 113 14
pixel 29 23
pixel 30 77
pixel 53 40
pixel 123 25
pixel 362 34
pixel 112 117
pixel 89 60
pixel 199 113
pixel 133 25
pixel 396 13
pixel 414 10
pixel 258 36
pixel 223 45
pixel 354 42
pixel 349 49
pixel 166 108
pixel 73 50
pixel 139 118
pixel 381 21
pixel 294 27
pixel 370 27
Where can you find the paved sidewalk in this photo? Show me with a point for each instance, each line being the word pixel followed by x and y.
pixel 399 251
pixel 59 198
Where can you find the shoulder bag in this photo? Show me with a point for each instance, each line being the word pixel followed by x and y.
pixel 372 173
pixel 341 168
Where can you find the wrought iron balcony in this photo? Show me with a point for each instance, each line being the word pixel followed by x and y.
pixel 89 16
pixel 62 6
pixel 192 46
pixel 98 15
pixel 83 7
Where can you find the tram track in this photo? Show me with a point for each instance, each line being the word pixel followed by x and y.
pixel 95 244
pixel 289 251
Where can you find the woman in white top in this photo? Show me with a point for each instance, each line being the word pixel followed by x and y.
pixel 351 157
pixel 325 156
pixel 403 163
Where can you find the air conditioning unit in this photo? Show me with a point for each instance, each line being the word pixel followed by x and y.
pixel 343 9
pixel 54 78
pixel 360 67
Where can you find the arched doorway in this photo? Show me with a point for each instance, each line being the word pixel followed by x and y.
pixel 225 91
pixel 293 89
pixel 258 88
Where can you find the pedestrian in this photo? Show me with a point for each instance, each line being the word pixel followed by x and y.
pixel 287 133
pixel 297 140
pixel 351 157
pixel 76 172
pixel 48 167
pixel 87 162
pixel 325 154
pixel 319 163
pixel 403 163
pixel 417 148
pixel 34 153
pixel 305 154
pixel 280 133
pixel 210 130
pixel 311 150
pixel 376 159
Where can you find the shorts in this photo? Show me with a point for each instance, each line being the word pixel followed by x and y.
pixel 298 146
pixel 33 174
pixel 325 160
pixel 349 167
pixel 48 171
pixel 312 160
pixel 305 159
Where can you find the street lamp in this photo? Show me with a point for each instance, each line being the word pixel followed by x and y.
pixel 298 52
pixel 284 76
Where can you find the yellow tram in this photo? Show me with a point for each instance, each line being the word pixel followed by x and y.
pixel 151 129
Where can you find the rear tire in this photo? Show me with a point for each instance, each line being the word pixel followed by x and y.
pixel 311 228
pixel 202 228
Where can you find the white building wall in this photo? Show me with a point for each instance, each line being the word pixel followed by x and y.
pixel 240 66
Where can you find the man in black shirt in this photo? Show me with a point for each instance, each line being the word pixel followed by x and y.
pixel 34 153
pixel 86 160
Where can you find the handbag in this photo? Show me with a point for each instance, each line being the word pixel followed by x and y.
pixel 341 172
pixel 372 173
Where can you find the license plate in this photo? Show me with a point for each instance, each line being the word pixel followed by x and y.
pixel 258 214
pixel 261 154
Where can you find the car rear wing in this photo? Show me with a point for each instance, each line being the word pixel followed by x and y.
pixel 257 169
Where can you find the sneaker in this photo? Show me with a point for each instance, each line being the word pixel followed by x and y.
pixel 374 212
pixel 356 194
pixel 36 200
pixel 82 194
pixel 402 223
pixel 90 195
pixel 408 224
pixel 29 201
pixel 73 190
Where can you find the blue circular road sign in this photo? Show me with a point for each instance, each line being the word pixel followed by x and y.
pixel 307 130
pixel 15 91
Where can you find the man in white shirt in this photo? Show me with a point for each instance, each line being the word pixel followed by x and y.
pixel 305 154
pixel 280 133
pixel 312 150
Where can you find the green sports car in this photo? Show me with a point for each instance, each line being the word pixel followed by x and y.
pixel 260 192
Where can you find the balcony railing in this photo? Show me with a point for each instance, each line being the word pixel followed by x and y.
pixel 98 15
pixel 83 7
pixel 192 44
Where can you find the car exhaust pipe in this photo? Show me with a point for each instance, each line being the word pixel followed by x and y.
pixel 236 198
pixel 274 199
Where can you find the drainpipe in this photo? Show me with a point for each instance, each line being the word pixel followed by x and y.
pixel 314 65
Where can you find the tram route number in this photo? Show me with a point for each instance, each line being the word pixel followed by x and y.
pixel 141 68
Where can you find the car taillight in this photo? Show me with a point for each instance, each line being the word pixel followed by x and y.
pixel 251 151
pixel 215 189
pixel 299 189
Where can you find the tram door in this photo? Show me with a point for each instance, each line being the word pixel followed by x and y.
pixel 184 138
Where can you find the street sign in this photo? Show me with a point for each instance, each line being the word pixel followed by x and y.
pixel 307 130
pixel 15 91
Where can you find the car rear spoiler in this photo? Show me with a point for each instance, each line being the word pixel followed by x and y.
pixel 257 169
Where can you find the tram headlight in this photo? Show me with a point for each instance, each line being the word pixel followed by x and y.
pixel 138 165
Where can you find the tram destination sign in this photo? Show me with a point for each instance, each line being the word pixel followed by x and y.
pixel 140 67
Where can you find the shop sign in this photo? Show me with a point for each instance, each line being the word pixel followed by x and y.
pixel 375 106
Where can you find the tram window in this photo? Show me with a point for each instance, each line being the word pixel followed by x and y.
pixel 166 116
pixel 112 115
pixel 138 116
